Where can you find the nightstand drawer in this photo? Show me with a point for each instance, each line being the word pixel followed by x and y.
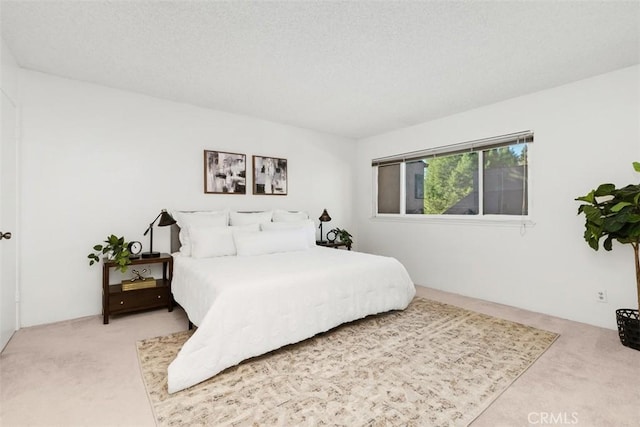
pixel 139 299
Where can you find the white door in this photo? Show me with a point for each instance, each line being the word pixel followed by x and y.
pixel 8 206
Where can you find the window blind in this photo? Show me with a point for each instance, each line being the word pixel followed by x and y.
pixel 462 147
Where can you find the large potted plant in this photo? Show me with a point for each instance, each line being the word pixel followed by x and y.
pixel 614 214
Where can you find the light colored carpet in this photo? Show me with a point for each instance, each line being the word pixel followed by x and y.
pixel 432 364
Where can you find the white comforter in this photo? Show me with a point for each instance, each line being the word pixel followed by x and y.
pixel 248 306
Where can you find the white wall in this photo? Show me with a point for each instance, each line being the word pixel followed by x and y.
pixel 9 72
pixel 97 161
pixel 586 133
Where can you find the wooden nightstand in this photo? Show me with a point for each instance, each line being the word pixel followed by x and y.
pixel 334 244
pixel 115 300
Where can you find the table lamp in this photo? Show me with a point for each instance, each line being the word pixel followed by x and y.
pixel 323 218
pixel 165 219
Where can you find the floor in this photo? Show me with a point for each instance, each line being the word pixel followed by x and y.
pixel 84 373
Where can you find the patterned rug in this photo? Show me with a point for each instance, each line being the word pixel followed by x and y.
pixel 432 364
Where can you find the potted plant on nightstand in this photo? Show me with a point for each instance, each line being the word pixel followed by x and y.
pixel 115 249
pixel 344 236
pixel 614 213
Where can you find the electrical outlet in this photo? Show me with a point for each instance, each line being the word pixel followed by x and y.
pixel 601 296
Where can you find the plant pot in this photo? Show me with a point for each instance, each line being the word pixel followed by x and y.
pixel 629 327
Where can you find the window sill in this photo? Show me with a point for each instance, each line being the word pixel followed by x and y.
pixel 517 222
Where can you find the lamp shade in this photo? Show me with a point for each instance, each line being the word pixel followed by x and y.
pixel 165 219
pixel 325 216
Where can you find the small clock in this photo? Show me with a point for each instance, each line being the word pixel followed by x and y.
pixel 135 248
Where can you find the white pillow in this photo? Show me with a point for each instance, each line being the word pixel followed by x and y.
pixel 246 218
pixel 270 242
pixel 200 218
pixel 307 225
pixel 209 242
pixel 286 216
pixel 251 228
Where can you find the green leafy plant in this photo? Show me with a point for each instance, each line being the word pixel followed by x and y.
pixel 115 249
pixel 614 214
pixel 343 235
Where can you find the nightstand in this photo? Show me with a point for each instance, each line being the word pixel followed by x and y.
pixel 116 301
pixel 334 244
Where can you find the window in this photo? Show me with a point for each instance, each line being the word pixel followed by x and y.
pixel 485 177
pixel 388 184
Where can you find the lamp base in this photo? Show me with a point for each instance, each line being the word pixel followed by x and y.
pixel 150 254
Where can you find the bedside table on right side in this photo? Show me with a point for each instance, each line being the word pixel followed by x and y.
pixel 336 245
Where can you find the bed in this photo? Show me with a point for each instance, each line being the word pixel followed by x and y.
pixel 258 300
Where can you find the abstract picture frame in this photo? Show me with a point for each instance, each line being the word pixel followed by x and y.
pixel 225 173
pixel 270 176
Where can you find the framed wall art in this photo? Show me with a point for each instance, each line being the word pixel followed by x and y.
pixel 269 176
pixel 225 173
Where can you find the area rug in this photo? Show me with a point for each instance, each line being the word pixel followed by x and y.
pixel 432 364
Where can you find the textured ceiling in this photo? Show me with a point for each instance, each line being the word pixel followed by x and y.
pixel 350 68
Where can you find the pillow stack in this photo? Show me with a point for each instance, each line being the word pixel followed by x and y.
pixel 188 220
pixel 208 234
pixel 209 242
